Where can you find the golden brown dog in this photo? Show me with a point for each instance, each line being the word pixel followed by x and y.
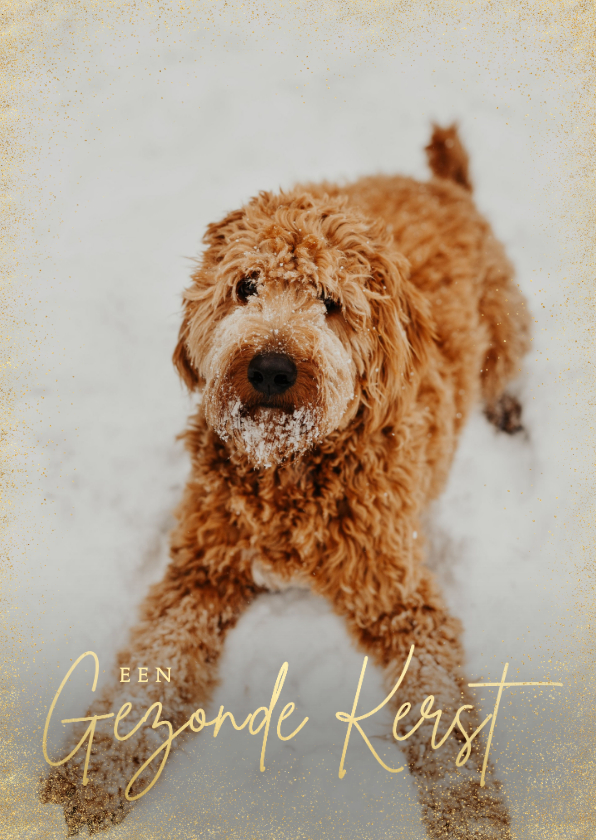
pixel 339 337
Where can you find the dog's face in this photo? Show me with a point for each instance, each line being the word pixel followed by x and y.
pixel 295 320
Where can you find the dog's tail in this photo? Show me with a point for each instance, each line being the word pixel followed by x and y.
pixel 447 157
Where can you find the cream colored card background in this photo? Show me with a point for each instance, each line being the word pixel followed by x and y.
pixel 126 129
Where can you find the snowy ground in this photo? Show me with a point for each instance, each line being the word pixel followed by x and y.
pixel 147 136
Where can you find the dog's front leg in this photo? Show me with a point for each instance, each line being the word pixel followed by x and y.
pixel 455 805
pixel 183 624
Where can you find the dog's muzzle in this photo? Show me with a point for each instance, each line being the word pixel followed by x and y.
pixel 272 374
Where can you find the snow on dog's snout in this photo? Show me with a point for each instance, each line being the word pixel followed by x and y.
pixel 293 323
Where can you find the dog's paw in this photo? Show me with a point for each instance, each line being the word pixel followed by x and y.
pixel 456 809
pixel 505 414
pixel 91 805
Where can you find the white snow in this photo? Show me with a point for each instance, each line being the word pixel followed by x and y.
pixel 148 135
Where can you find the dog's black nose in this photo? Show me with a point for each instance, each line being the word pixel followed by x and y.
pixel 271 373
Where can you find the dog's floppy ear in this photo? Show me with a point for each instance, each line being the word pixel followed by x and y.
pixel 404 332
pixel 181 359
pixel 214 237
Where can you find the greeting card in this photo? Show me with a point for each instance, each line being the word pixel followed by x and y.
pixel 297 401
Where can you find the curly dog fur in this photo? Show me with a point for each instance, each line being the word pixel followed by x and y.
pixel 397 311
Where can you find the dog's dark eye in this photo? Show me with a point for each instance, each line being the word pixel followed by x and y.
pixel 246 288
pixel 332 306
